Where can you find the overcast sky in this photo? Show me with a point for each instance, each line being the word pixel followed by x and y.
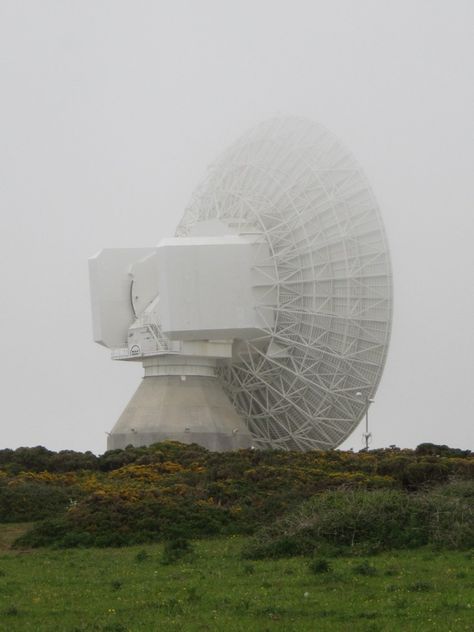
pixel 110 112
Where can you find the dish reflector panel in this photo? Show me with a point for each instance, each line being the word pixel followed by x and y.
pixel 292 182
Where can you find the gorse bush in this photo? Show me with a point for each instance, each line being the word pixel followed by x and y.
pixel 118 520
pixel 344 518
pixel 450 515
pixel 25 501
pixel 171 490
pixel 364 520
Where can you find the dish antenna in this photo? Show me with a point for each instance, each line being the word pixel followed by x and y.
pixel 265 322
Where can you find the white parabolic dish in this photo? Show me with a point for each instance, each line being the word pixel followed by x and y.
pixel 293 182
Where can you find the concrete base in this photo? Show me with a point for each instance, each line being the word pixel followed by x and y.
pixel 190 409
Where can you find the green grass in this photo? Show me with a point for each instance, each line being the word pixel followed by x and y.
pixel 214 589
pixel 10 532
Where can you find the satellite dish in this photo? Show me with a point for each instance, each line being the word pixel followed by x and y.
pixel 277 288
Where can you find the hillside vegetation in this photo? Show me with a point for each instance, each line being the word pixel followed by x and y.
pixel 288 499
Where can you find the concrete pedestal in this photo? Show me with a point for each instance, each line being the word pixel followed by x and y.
pixel 189 409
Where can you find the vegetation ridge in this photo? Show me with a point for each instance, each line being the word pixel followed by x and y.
pixel 170 490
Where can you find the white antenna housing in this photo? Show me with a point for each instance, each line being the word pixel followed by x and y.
pixel 275 295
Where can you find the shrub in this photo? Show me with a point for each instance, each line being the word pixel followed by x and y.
pixel 249 569
pixel 450 511
pixel 368 521
pixel 364 568
pixel 171 490
pixel 440 450
pixel 327 549
pixel 425 472
pixel 141 556
pixel 347 518
pixel 175 550
pixel 319 565
pixel 420 586
pixel 24 501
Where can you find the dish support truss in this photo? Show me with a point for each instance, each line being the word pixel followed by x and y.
pixel 291 181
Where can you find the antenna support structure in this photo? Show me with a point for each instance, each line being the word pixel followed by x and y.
pixel 265 321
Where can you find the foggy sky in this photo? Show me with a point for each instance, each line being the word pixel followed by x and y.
pixel 110 112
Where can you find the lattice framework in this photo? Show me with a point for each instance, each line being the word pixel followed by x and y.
pixel 291 181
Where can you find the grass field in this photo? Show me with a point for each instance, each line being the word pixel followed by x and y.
pixel 213 588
